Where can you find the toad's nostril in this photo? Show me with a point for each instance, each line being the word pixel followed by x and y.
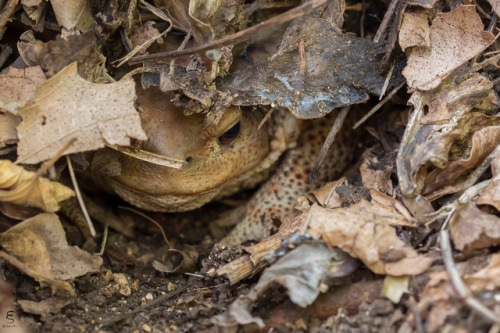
pixel 189 159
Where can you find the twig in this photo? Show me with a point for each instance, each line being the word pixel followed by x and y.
pixel 457 282
pixel 238 37
pixel 387 80
pixel 79 197
pixel 379 105
pixel 330 139
pixel 159 300
pixel 151 220
pixel 104 238
pixel 385 21
pixel 266 117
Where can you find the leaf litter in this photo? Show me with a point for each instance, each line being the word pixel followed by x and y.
pixel 430 162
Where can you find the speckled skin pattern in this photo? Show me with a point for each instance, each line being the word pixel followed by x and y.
pixel 213 170
pixel 276 198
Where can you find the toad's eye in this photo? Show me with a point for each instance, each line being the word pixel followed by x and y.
pixel 230 135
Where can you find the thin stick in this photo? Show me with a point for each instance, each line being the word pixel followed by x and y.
pixel 151 220
pixel 387 80
pixel 238 37
pixel 302 54
pixel 80 198
pixel 457 282
pixel 157 301
pixel 104 237
pixel 385 21
pixel 379 105
pixel 266 117
pixel 330 139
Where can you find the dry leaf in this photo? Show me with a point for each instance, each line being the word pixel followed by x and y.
pixel 484 141
pixel 363 231
pixel 414 30
pixel 46 306
pixel 144 33
pixel 487 278
pixel 68 107
pixel 376 178
pixel 22 187
pixel 455 37
pixel 471 228
pixel 444 134
pixel 178 261
pixel 495 5
pixel 395 287
pixel 73 14
pixel 8 123
pixel 327 196
pixel 491 195
pixel 18 87
pixel 40 243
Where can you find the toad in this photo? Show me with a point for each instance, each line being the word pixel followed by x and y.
pixel 221 160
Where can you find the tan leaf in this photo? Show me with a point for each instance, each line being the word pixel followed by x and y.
pixel 40 243
pixel 18 86
pixel 68 107
pixel 22 187
pixel 378 179
pixel 471 228
pixel 144 33
pixel 487 278
pixel 364 233
pixel 414 30
pixel 395 287
pixel 73 14
pixel 495 5
pixel 455 37
pixel 8 123
pixel 491 195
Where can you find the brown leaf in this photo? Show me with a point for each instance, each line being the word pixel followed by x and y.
pixel 484 141
pixel 22 187
pixel 378 179
pixel 455 37
pixel 491 195
pixel 46 306
pixel 414 30
pixel 40 243
pixel 144 33
pixel 471 228
pixel 363 231
pixel 18 87
pixel 73 14
pixel 68 107
pixel 495 5
pixel 487 278
pixel 8 123
pixel 56 54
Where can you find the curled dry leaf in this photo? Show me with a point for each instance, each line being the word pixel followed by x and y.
pixel 144 33
pixel 491 195
pixel 73 14
pixel 46 306
pixel 487 278
pixel 446 131
pixel 455 37
pixel 301 272
pixel 22 187
pixel 67 107
pixel 178 261
pixel 414 30
pixel 40 244
pixel 378 178
pixel 471 228
pixel 363 230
